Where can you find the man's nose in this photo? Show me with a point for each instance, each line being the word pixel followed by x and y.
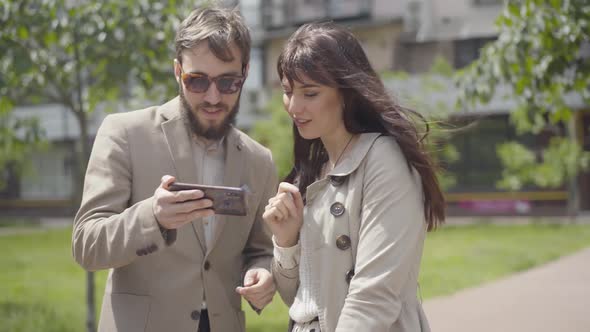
pixel 212 95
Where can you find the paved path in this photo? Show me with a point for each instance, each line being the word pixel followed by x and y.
pixel 550 298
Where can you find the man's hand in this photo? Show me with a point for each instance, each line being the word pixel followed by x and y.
pixel 259 287
pixel 176 208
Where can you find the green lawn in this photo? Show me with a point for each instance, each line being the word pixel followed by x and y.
pixel 42 289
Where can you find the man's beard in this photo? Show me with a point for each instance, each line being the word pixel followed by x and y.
pixel 209 132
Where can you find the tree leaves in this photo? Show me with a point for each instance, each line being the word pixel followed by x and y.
pixel 538 57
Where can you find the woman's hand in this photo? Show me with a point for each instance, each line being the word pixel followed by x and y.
pixel 284 215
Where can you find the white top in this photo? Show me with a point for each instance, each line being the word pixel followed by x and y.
pixel 210 161
pixel 305 307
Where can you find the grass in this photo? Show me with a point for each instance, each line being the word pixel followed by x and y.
pixel 42 289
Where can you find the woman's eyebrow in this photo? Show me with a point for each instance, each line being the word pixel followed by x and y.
pixel 309 85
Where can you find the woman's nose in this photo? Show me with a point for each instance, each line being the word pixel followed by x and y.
pixel 293 106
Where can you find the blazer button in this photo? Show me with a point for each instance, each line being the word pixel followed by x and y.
pixel 207 265
pixel 153 247
pixel 337 180
pixel 349 275
pixel 337 209
pixel 195 315
pixel 343 242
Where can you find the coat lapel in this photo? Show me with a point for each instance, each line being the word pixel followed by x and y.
pixel 234 158
pixel 180 147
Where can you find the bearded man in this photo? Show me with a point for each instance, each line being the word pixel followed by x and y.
pixel 174 264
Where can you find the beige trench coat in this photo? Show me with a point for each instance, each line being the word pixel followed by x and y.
pixel 368 225
pixel 154 285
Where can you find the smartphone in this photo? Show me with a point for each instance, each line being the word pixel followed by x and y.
pixel 226 200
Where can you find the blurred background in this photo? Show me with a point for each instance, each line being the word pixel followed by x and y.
pixel 504 85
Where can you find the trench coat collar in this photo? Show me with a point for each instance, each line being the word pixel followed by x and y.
pixel 351 162
pixel 348 165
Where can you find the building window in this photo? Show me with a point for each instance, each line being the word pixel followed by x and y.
pixel 468 50
pixel 487 2
pixel 479 167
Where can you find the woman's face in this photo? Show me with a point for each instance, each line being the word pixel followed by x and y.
pixel 315 109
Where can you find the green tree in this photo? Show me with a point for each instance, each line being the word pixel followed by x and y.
pixel 84 55
pixel 436 112
pixel 539 57
pixel 19 137
pixel 276 133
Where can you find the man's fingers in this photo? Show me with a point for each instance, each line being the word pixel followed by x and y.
pixel 166 181
pixel 190 206
pixel 179 220
pixel 254 291
pixel 187 195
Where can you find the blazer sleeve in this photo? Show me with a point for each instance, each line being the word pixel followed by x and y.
pixel 390 244
pixel 258 250
pixel 108 233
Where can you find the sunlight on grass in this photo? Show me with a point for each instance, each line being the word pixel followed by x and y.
pixel 43 289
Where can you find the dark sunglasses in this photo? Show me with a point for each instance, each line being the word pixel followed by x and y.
pixel 199 83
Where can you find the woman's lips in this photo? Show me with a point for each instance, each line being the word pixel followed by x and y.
pixel 301 122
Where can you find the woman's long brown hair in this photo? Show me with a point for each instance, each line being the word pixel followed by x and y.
pixel 330 55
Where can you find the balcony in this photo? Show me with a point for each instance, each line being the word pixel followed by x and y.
pixel 277 14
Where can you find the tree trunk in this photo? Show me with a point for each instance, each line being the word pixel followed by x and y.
pixel 573 202
pixel 83 149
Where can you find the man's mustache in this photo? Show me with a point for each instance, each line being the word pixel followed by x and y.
pixel 209 105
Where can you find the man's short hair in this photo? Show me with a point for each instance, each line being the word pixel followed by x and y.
pixel 219 27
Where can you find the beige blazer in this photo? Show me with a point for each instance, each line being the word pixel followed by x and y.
pixel 368 228
pixel 154 285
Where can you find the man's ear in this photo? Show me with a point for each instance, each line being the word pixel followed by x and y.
pixel 246 69
pixel 177 70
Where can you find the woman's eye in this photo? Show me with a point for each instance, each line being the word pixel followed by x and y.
pixel 311 94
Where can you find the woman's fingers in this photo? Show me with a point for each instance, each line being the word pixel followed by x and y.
pixel 272 214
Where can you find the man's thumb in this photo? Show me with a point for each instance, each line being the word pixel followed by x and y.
pixel 250 279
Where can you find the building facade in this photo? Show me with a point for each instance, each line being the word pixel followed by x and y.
pixel 400 35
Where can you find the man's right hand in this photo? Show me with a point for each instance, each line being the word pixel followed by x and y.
pixel 173 209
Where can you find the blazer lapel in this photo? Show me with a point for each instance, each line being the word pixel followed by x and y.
pixel 234 158
pixel 180 146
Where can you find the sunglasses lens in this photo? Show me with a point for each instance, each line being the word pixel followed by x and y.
pixel 228 84
pixel 197 84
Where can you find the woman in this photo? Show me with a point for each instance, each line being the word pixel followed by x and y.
pixel 349 221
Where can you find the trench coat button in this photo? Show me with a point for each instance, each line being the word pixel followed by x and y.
pixel 337 209
pixel 343 242
pixel 195 315
pixel 337 180
pixel 349 275
pixel 207 265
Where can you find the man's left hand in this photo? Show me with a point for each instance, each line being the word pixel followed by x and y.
pixel 259 287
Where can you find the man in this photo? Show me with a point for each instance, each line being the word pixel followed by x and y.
pixel 175 265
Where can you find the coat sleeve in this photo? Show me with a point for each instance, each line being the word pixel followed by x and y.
pixel 108 233
pixel 258 250
pixel 391 238
pixel 287 277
